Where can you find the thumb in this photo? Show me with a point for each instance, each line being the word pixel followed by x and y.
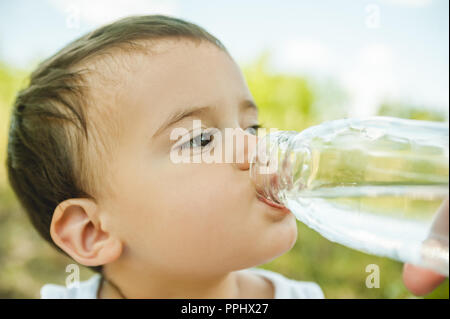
pixel 420 281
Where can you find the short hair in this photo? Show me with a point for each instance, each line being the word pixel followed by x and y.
pixel 52 147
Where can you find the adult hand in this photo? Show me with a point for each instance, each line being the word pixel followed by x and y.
pixel 421 281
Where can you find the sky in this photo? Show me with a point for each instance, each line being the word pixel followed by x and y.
pixel 376 50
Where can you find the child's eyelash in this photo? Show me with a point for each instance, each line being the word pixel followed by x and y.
pixel 257 126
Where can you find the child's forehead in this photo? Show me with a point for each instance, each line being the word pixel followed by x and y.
pixel 172 63
pixel 183 72
pixel 172 76
pixel 121 62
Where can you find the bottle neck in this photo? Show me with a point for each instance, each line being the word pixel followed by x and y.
pixel 271 165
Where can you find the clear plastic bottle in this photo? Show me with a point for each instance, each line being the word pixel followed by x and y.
pixel 373 184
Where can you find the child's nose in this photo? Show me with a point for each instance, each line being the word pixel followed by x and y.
pixel 245 151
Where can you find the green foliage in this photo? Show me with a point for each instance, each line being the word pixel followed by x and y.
pixel 291 102
pixel 409 111
pixel 286 102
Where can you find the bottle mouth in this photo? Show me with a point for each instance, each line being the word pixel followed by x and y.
pixel 269 166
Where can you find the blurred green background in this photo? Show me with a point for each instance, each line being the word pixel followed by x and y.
pixel 286 102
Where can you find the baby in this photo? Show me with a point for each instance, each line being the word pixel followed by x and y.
pixel 90 159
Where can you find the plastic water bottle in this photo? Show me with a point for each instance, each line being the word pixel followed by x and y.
pixel 373 184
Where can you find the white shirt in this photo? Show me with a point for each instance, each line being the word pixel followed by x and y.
pixel 285 288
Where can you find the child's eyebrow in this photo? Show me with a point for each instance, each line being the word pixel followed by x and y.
pixel 196 111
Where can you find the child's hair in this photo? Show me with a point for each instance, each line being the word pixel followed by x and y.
pixel 49 158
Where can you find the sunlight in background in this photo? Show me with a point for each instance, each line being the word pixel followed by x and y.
pixel 377 50
pixel 103 11
pixel 379 63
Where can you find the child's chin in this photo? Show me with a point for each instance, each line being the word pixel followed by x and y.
pixel 282 240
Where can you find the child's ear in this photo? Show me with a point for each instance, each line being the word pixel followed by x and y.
pixel 77 230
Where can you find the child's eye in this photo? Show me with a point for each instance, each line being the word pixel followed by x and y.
pixel 254 129
pixel 205 138
pixel 200 140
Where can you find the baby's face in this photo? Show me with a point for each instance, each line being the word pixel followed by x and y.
pixel 182 218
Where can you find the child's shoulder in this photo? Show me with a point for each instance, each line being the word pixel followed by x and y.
pixel 84 290
pixel 286 288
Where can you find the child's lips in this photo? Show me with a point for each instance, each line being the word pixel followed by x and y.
pixel 273 204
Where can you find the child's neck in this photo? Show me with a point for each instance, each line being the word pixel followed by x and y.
pixel 235 285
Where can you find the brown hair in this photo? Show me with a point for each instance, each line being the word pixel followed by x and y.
pixel 48 159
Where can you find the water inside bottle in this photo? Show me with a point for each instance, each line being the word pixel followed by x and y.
pixel 393 224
